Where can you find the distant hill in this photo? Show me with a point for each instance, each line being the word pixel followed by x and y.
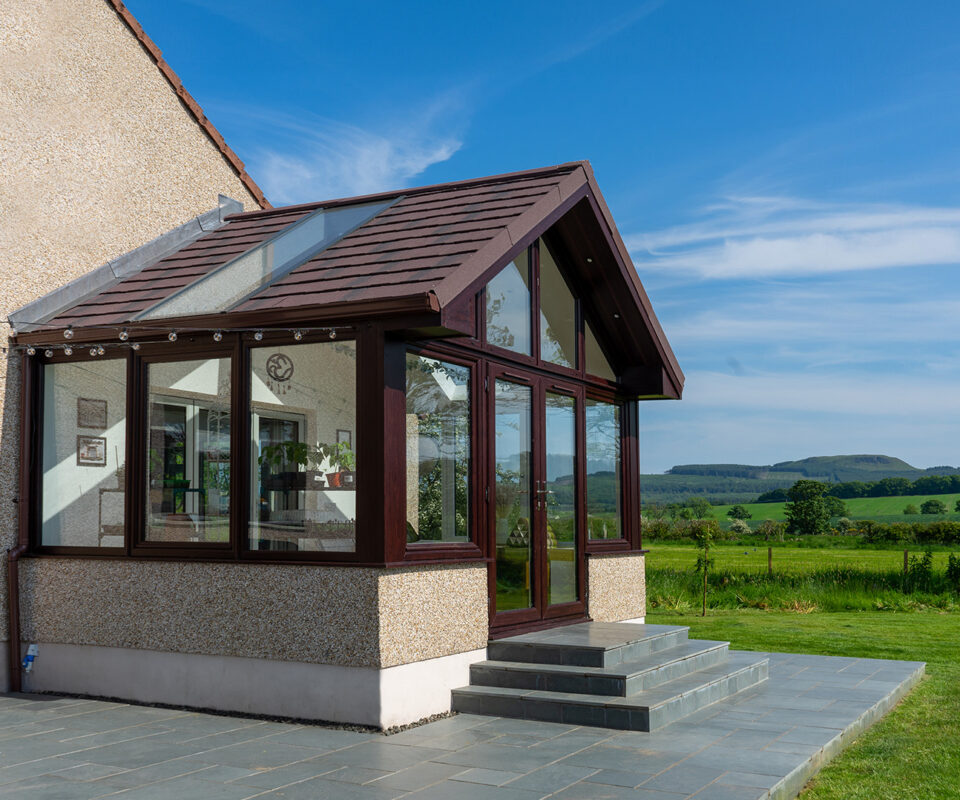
pixel 737 483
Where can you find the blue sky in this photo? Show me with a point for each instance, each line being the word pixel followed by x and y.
pixel 787 177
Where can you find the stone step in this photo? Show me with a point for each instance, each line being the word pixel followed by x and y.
pixel 644 711
pixel 624 679
pixel 592 644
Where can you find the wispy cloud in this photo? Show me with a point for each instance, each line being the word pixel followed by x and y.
pixel 750 237
pixel 307 157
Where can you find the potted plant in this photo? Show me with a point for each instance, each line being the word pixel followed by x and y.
pixel 341 459
pixel 280 455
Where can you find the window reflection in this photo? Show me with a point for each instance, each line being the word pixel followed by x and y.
pixel 438 450
pixel 603 470
pixel 558 314
pixel 508 307
pixel 188 451
pixel 303 461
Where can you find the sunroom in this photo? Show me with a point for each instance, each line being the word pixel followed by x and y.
pixel 359 437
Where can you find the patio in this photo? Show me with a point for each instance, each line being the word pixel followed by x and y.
pixel 766 741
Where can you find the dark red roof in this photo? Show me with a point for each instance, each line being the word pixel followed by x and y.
pixel 428 252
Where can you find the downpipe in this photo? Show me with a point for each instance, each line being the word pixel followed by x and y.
pixel 13 606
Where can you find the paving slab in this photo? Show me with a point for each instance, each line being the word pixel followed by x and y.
pixel 763 742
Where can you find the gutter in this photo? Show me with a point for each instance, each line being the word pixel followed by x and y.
pixel 13 604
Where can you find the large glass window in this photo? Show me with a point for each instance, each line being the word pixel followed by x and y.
pixel 596 361
pixel 558 314
pixel 84 454
pixel 188 451
pixel 438 450
pixel 303 424
pixel 603 470
pixel 508 307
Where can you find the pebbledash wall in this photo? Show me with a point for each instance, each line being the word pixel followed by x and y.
pixel 98 155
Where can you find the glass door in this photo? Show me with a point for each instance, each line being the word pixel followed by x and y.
pixel 535 509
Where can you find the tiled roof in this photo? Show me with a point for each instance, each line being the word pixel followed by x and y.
pixel 410 248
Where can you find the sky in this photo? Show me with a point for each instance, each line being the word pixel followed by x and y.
pixel 785 175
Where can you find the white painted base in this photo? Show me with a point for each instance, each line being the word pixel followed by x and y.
pixel 636 620
pixel 362 695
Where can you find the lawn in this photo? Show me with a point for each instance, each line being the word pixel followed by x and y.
pixel 881 509
pixel 913 753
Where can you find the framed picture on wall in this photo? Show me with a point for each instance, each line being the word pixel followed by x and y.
pixel 91 413
pixel 345 437
pixel 91 451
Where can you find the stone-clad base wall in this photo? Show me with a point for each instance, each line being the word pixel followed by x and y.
pixel 348 616
pixel 616 587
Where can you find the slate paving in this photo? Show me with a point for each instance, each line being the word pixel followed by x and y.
pixel 764 742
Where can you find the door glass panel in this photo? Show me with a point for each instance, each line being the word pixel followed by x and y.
pixel 596 361
pixel 188 451
pixel 603 470
pixel 561 442
pixel 512 485
pixel 558 314
pixel 508 307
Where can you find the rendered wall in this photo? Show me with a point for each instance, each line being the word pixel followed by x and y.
pixel 346 616
pixel 616 587
pixel 97 157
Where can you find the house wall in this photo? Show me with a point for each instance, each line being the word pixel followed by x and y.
pixel 97 156
pixel 616 587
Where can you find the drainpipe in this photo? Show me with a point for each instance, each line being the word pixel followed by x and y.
pixel 13 555
pixel 13 604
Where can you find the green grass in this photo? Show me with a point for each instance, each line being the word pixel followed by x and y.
pixel 881 509
pixel 912 754
pixel 803 580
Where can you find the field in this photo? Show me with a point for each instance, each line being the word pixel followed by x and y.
pixel 912 754
pixel 880 509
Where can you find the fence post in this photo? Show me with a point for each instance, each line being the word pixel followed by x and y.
pixel 770 561
pixel 906 554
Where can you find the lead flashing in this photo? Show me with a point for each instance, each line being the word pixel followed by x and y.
pixel 43 309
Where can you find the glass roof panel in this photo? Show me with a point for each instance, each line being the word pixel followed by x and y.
pixel 269 261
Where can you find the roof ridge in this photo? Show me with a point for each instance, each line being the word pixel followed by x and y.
pixel 505 177
pixel 187 99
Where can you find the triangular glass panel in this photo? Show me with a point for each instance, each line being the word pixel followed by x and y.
pixel 558 314
pixel 596 361
pixel 243 276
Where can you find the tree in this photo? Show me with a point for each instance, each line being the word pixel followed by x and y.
pixel 932 506
pixel 910 508
pixel 704 533
pixel 957 507
pixel 700 507
pixel 806 511
pixel 835 506
pixel 739 512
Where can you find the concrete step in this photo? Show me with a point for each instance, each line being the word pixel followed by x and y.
pixel 643 711
pixel 591 644
pixel 624 679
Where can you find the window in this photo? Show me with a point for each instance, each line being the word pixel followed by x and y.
pixel 604 462
pixel 83 455
pixel 508 307
pixel 188 451
pixel 596 361
pixel 303 422
pixel 558 314
pixel 438 426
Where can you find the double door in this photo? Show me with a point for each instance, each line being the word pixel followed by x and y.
pixel 535 514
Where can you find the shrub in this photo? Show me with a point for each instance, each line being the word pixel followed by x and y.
pixel 739 512
pixel 740 527
pixel 845 526
pixel 911 509
pixel 770 529
pixel 953 572
pixel 920 572
pixel 942 532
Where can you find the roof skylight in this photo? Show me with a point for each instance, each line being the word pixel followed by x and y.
pixel 248 273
